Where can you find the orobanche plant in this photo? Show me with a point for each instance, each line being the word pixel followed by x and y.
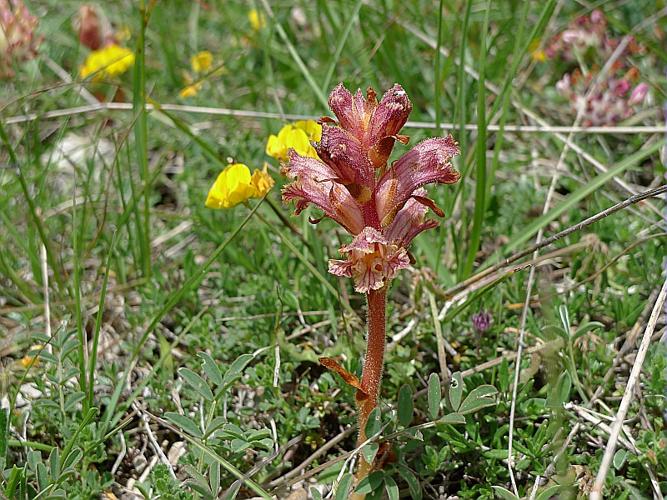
pixel 383 207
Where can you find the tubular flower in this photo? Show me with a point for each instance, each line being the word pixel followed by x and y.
pixel 297 136
pixel 108 62
pixel 18 41
pixel 383 207
pixel 235 185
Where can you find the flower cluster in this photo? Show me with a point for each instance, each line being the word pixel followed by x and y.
pixel 382 206
pixel 587 43
pixel 482 321
pixel 18 41
pixel 235 185
pixel 107 62
pixel 297 136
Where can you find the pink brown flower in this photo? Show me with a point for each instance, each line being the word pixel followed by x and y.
pixel 383 206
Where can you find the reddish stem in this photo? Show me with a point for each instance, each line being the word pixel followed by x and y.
pixel 371 376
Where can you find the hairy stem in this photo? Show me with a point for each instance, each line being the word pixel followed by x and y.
pixel 371 377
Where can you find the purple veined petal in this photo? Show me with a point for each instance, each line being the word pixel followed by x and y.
pixel 409 222
pixel 345 155
pixel 428 162
pixel 390 115
pixel 301 167
pixel 315 183
pixel 341 268
pixel 340 102
pixel 371 261
pixel 353 112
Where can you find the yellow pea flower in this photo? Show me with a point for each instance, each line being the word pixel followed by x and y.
pixel 107 62
pixel 297 136
pixel 257 19
pixel 261 181
pixel 190 90
pixel 31 358
pixel 235 185
pixel 201 61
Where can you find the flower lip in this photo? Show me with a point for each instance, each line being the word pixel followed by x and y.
pixel 371 260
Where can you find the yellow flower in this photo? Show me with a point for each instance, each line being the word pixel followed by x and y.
pixel 31 358
pixel 201 61
pixel 297 136
pixel 261 181
pixel 536 53
pixel 107 62
pixel 235 185
pixel 257 19
pixel 190 90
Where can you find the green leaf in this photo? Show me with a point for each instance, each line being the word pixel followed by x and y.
pixel 236 369
pixel 372 482
pixel 619 458
pixel 315 494
pixel 72 459
pixel 214 477
pixel 561 392
pixel 214 425
pixel 434 395
pixel 197 383
pixel 54 462
pixel 413 483
pixel 550 492
pixel 585 328
pixel 373 423
pixel 392 488
pixel 369 451
pixel 405 405
pixel 456 390
pixel 238 445
pixel 453 418
pixel 184 423
pixel 479 397
pixel 504 493
pixel 565 319
pixel 13 481
pixel 210 368
pixel 344 487
pixel 42 475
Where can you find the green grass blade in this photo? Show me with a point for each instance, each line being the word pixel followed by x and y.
pixel 141 135
pixel 92 365
pixel 480 150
